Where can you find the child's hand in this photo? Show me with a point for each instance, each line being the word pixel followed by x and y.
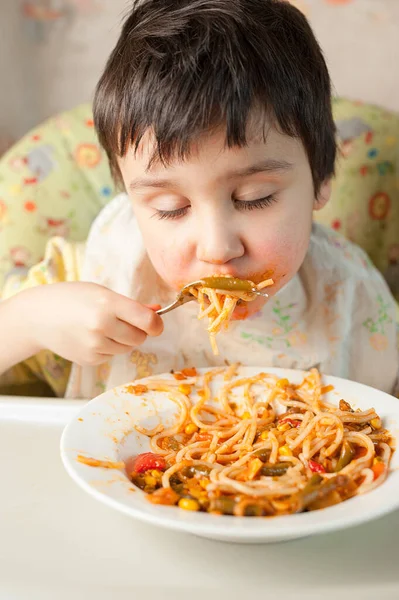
pixel 87 323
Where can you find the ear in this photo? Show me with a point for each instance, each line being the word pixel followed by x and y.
pixel 323 196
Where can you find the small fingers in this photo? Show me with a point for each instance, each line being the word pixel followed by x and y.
pixel 125 334
pixel 139 316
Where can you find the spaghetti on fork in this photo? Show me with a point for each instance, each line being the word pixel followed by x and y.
pixel 218 296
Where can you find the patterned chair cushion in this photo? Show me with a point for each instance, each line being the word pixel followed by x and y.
pixel 56 180
pixel 365 200
pixel 53 182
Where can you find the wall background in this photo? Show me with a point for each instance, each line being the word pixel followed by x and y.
pixel 52 52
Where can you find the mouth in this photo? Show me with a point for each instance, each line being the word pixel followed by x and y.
pixel 249 297
pixel 226 275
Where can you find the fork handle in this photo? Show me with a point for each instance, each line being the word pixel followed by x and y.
pixel 175 304
pixel 166 309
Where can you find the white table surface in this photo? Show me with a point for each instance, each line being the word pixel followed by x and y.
pixel 57 543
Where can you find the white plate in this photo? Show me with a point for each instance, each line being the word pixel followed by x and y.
pixel 104 430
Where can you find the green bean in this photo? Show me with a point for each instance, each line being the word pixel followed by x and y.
pixel 138 480
pixel 314 493
pixel 275 470
pixel 347 453
pixel 263 454
pixel 176 484
pixel 314 480
pixel 230 284
pixel 254 510
pixel 195 470
pixel 223 504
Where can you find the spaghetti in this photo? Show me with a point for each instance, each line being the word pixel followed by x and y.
pixel 248 458
pixel 218 296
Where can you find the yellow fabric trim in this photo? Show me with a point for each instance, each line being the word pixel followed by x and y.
pixel 62 262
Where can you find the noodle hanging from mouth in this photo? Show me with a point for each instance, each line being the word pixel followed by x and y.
pixel 218 303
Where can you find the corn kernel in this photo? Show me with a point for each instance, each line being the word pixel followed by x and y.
pixel 283 427
pixel 264 435
pixel 185 389
pixel 196 492
pixel 157 474
pixel 150 480
pixel 246 415
pixel 377 460
pixel 254 467
pixel 188 504
pixel 191 428
pixel 282 383
pixel 204 483
pixel 285 451
pixel 376 423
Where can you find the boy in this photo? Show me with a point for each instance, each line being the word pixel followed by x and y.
pixel 216 118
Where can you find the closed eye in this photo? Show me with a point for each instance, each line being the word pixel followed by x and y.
pixel 166 215
pixel 254 204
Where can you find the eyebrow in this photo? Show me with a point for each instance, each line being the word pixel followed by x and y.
pixel 267 166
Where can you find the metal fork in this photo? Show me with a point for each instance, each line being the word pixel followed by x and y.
pixel 185 296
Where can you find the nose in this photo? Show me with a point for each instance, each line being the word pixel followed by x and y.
pixel 218 242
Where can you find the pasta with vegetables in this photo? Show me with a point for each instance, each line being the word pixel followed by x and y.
pixel 281 449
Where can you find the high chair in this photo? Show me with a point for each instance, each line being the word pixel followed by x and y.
pixel 56 180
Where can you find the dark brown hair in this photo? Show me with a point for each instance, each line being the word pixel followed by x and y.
pixel 183 67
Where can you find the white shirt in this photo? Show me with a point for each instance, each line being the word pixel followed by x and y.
pixel 336 313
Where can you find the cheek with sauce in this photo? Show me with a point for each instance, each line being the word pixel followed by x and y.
pixel 281 254
pixel 279 262
pixel 283 262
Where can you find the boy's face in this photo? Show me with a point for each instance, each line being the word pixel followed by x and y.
pixel 245 212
